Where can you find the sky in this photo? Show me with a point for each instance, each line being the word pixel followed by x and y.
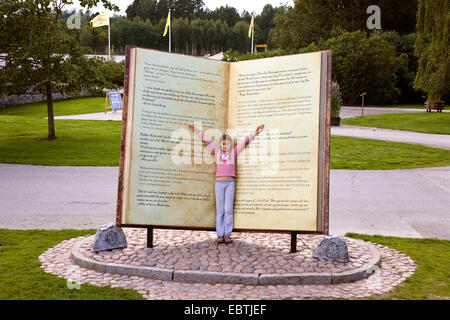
pixel 241 5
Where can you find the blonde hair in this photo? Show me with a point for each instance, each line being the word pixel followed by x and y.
pixel 228 138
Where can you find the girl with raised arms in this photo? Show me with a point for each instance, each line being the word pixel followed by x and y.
pixel 226 157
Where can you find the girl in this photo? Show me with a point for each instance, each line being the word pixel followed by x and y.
pixel 225 174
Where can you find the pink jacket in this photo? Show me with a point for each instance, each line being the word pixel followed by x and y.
pixel 225 163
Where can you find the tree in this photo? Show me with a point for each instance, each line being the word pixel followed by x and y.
pixel 406 64
pixel 228 14
pixel 144 9
pixel 313 20
pixel 265 21
pixel 198 27
pixel 431 48
pixel 362 63
pixel 40 52
pixel 241 41
pixel 186 8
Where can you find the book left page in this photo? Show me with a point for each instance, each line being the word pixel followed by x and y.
pixel 171 174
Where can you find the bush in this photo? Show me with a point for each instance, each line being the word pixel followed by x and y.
pixel 109 73
pixel 232 55
pixel 336 99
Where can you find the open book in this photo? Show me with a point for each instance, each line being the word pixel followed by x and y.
pixel 167 174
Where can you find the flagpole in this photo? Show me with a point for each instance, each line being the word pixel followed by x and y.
pixel 109 37
pixel 170 32
pixel 253 29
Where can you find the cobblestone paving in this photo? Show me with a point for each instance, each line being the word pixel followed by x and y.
pixel 249 253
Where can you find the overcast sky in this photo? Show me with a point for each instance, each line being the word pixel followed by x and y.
pixel 240 5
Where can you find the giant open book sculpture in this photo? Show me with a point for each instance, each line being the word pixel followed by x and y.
pixel 167 175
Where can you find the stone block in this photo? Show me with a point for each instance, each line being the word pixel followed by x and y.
pixel 109 237
pixel 214 277
pixel 332 248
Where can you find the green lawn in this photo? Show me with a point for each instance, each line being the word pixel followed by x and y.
pixel 79 142
pixel 60 108
pixel 23 130
pixel 368 154
pixel 431 279
pixel 426 122
pixel 21 277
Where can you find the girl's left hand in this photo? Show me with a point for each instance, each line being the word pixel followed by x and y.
pixel 259 129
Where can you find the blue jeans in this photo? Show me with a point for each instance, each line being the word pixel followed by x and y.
pixel 224 206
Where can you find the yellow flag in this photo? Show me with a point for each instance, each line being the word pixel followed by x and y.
pixel 167 25
pixel 101 20
pixel 251 27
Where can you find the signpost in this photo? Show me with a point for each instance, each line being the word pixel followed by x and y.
pixel 362 104
pixel 115 99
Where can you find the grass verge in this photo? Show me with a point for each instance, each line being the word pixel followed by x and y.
pixel 60 108
pixel 427 122
pixel 431 279
pixel 367 154
pixel 78 143
pixel 21 277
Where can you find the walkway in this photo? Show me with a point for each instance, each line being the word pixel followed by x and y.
pixel 350 112
pixel 427 139
pixel 346 112
pixel 405 203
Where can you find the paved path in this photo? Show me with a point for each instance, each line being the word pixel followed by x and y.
pixel 346 112
pixel 350 112
pixel 110 115
pixel 56 197
pixel 407 203
pixel 427 139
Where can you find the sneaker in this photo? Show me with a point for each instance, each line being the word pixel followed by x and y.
pixel 220 239
pixel 227 239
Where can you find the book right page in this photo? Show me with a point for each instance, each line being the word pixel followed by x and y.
pixel 277 173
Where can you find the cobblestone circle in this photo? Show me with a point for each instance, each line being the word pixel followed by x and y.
pixel 249 253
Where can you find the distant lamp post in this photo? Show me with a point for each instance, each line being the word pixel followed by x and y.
pixel 362 103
